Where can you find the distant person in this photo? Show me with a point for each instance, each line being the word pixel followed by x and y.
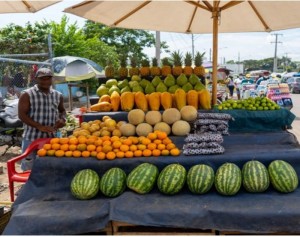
pixel 11 94
pixel 230 85
pixel 42 111
pixel 237 83
pixel 265 77
pixel 19 79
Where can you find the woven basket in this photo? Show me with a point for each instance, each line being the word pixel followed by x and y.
pixel 4 219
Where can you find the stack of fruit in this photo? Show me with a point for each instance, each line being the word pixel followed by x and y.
pixel 255 178
pixel 251 104
pixel 72 123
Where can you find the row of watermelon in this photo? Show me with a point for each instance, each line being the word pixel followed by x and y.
pixel 228 179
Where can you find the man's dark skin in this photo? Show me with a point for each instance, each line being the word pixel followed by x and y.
pixel 44 85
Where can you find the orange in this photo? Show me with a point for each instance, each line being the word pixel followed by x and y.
pixel 146 141
pixel 114 138
pixel 133 148
pixel 94 153
pixel 171 146
pixel 161 147
pixel 101 155
pixel 165 152
pixel 106 143
pixel 138 153
pixel 47 146
pixel 147 152
pixel 90 141
pixel 68 154
pixel 152 136
pixel 82 140
pixel 91 147
pixel 55 146
pixel 161 135
pixel 50 152
pixel 134 140
pixel 42 152
pixel 72 147
pixel 105 138
pixel 106 148
pixel 64 140
pixel 59 153
pixel 110 155
pixel 151 146
pixel 156 152
pixel 124 148
pixel 76 153
pixel 54 140
pixel 98 142
pixel 128 154
pixel 73 141
pixel 141 138
pixel 157 141
pixel 81 147
pixel 141 147
pixel 64 147
pixel 166 141
pixel 127 142
pixel 86 154
pixel 120 154
pixel 117 144
pixel 175 152
pixel 99 148
pixel 116 150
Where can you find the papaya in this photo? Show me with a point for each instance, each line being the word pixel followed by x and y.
pixel 104 98
pixel 101 107
pixel 115 101
pixel 174 105
pixel 141 101
pixel 154 101
pixel 204 99
pixel 192 98
pixel 180 96
pixel 166 100
pixel 127 101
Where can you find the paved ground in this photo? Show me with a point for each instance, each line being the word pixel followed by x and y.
pixel 7 152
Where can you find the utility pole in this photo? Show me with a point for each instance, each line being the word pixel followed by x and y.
pixel 210 54
pixel 157 47
pixel 286 61
pixel 275 54
pixel 239 62
pixel 193 47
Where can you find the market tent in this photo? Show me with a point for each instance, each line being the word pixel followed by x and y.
pixel 194 17
pixel 18 6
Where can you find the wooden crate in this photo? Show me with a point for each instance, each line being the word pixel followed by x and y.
pixel 121 228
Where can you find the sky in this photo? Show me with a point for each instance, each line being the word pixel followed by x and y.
pixel 232 46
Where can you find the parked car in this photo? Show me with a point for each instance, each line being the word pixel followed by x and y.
pixel 294 83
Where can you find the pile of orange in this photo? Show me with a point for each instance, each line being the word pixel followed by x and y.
pixel 155 144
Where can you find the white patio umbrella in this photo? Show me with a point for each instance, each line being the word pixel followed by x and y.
pixel 18 6
pixel 194 17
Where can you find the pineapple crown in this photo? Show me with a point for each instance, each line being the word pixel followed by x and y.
pixel 165 62
pixel 145 62
pixel 123 60
pixel 188 59
pixel 199 59
pixel 154 62
pixel 177 58
pixel 133 61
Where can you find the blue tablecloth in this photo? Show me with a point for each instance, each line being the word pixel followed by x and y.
pixel 46 206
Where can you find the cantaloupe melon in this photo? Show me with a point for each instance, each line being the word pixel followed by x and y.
pixel 127 129
pixel 171 115
pixel 181 128
pixel 136 116
pixel 143 129
pixel 153 117
pixel 188 113
pixel 164 127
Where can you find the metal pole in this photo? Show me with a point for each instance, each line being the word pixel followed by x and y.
pixel 11 60
pixel 193 47
pixel 157 47
pixel 275 56
pixel 215 16
pixel 23 55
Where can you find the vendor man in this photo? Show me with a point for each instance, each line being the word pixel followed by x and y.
pixel 42 111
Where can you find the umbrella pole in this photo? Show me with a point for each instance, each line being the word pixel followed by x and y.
pixel 215 16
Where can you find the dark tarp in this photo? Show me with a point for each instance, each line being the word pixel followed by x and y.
pixel 244 121
pixel 46 206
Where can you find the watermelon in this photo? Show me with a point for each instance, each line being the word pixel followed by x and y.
pixel 283 176
pixel 113 182
pixel 255 177
pixel 142 178
pixel 171 179
pixel 200 179
pixel 228 179
pixel 85 184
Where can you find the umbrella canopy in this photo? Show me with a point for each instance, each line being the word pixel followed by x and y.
pixel 18 6
pixel 69 68
pixel 194 17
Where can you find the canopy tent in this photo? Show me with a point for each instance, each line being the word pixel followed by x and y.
pixel 194 17
pixel 18 6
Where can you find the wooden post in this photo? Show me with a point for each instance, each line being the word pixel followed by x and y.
pixel 215 16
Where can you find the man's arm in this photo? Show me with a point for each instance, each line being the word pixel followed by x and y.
pixel 62 114
pixel 23 110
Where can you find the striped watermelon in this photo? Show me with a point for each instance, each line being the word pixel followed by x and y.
pixel 200 179
pixel 113 182
pixel 283 176
pixel 255 177
pixel 142 178
pixel 228 179
pixel 172 178
pixel 85 184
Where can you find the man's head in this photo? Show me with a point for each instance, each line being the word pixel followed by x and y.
pixel 44 78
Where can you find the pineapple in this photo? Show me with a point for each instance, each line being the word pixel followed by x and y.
pixel 109 70
pixel 166 68
pixel 123 71
pixel 188 70
pixel 199 70
pixel 177 61
pixel 155 70
pixel 145 69
pixel 133 70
